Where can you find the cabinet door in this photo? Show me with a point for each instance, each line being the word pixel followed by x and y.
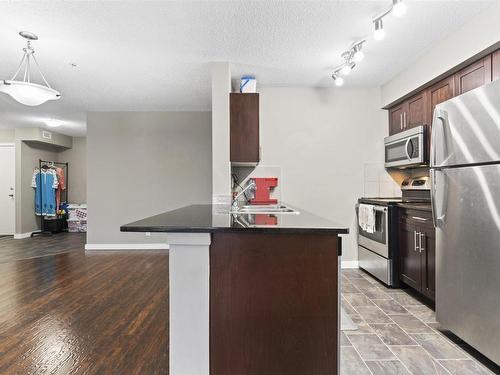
pixel 495 65
pixel 416 110
pixel 410 268
pixel 473 76
pixel 428 252
pixel 244 124
pixel 440 92
pixel 396 119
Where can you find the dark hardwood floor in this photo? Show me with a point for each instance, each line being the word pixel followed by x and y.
pixel 38 246
pixel 77 313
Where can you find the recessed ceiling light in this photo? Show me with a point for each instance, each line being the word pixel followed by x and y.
pixel 53 123
pixel 398 7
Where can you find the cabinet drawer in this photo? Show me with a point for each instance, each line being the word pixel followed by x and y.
pixel 417 217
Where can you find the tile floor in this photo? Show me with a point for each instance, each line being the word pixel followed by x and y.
pixel 396 334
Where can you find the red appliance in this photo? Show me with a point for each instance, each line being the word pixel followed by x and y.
pixel 263 189
pixel 262 219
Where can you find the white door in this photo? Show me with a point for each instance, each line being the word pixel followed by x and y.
pixel 7 180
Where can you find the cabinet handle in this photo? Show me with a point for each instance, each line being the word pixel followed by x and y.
pixel 415 234
pixel 401 121
pixel 422 235
pixel 404 119
pixel 419 218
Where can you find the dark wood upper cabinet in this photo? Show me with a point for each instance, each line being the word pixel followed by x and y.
pixel 473 76
pixel 416 113
pixel 495 65
pixel 244 129
pixel 396 119
pixel 409 114
pixel 440 92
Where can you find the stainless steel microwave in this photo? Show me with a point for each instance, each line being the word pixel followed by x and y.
pixel 406 149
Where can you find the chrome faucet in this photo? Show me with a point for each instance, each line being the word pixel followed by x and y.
pixel 235 199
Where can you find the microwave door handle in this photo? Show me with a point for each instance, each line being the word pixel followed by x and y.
pixel 406 148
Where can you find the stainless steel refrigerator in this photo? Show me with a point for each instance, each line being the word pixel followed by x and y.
pixel 465 188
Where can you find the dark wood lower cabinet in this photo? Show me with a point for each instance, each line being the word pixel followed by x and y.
pixel 273 304
pixel 417 252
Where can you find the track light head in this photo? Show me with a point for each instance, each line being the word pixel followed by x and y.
pixel 346 69
pixel 398 8
pixel 379 32
pixel 339 81
pixel 358 54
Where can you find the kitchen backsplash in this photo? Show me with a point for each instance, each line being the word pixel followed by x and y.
pixel 379 183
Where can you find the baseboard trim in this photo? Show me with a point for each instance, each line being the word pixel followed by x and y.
pixel 126 246
pixel 348 264
pixel 20 236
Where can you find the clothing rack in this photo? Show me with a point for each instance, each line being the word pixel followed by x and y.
pixel 64 193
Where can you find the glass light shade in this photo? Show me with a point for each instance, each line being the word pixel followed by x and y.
pixel 346 69
pixel 399 8
pixel 358 56
pixel 379 34
pixel 339 81
pixel 30 94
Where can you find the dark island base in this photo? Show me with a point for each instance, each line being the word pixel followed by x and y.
pixel 273 304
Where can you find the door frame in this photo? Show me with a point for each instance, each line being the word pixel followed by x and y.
pixel 13 145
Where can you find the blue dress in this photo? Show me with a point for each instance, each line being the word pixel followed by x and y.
pixel 45 184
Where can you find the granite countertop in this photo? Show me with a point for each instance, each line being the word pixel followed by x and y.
pixel 216 218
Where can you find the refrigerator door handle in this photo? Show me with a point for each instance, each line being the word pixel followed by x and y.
pixel 433 196
pixel 442 116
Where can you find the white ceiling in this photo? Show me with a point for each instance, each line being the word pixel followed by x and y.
pixel 155 55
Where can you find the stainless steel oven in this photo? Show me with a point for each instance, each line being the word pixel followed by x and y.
pixel 407 148
pixel 375 250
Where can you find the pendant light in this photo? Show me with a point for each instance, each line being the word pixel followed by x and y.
pixel 24 91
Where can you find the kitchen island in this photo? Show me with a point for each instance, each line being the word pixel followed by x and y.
pixel 250 293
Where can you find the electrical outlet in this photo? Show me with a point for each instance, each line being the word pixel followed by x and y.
pixel 148 234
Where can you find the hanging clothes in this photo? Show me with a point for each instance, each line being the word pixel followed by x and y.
pixel 60 186
pixel 45 184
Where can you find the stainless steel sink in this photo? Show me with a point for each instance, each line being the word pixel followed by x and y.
pixel 268 209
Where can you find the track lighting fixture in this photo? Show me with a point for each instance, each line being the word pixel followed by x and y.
pixel 339 81
pixel 355 54
pixel 379 32
pixel 346 69
pixel 398 7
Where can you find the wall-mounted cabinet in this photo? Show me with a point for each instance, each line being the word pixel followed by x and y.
pixel 419 109
pixel 473 76
pixel 408 114
pixel 495 65
pixel 417 251
pixel 244 129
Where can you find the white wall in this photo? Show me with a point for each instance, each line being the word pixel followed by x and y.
pixel 322 139
pixel 221 166
pixel 475 36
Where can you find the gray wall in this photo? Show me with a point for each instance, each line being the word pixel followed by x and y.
pixel 144 163
pixel 77 159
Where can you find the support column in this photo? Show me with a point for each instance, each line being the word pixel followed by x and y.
pixel 189 303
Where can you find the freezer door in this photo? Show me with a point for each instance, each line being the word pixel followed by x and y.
pixel 467 212
pixel 466 129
